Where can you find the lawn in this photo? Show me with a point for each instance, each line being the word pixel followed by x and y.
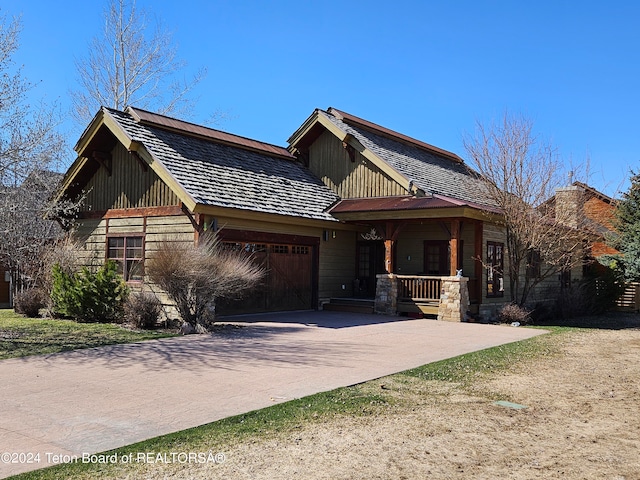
pixel 21 337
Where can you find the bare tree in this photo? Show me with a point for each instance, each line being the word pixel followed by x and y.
pixel 195 277
pixel 521 172
pixel 131 63
pixel 30 148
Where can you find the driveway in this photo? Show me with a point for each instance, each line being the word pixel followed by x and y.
pixel 93 400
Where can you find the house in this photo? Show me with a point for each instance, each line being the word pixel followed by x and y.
pixel 349 209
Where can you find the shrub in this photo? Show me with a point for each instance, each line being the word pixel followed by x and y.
pixel 29 302
pixel 87 296
pixel 514 313
pixel 195 277
pixel 143 310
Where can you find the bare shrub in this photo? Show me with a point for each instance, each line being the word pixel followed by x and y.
pixel 29 302
pixel 514 313
pixel 143 310
pixel 195 277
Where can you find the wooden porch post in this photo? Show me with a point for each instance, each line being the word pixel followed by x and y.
pixel 391 232
pixel 453 246
pixel 389 246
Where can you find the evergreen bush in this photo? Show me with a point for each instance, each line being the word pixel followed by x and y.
pixel 88 296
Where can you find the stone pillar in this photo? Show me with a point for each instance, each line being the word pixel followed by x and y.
pixel 386 294
pixel 454 299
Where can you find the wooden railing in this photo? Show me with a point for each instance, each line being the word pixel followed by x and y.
pixel 418 288
pixel 418 294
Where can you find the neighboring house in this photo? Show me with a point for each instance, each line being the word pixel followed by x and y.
pixel 348 206
pixel 583 207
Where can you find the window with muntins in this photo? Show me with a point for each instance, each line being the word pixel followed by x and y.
pixel 128 253
pixel 495 269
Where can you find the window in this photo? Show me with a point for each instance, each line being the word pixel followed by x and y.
pixel 495 269
pixel 128 254
pixel 436 257
pixel 534 262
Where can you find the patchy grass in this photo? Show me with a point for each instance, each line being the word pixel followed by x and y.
pixel 21 337
pixel 378 397
pixel 466 369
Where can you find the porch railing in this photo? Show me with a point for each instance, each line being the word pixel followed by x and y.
pixel 419 294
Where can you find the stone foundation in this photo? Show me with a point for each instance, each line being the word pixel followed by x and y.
pixel 386 294
pixel 454 299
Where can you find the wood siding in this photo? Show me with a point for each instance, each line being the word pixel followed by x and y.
pixel 330 162
pixel 337 265
pixel 128 186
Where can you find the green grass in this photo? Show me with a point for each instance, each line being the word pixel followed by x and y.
pixel 21 337
pixel 364 399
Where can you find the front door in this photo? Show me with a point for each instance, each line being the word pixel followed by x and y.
pixel 370 262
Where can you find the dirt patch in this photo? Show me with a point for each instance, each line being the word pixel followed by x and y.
pixel 582 421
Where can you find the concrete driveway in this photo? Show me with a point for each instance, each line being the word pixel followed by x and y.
pixel 94 400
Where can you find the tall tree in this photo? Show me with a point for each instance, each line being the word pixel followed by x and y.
pixel 30 147
pixel 521 171
pixel 131 63
pixel 628 225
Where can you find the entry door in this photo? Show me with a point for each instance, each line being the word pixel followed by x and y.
pixel 370 262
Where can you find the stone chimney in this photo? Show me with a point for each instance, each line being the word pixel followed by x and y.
pixel 570 206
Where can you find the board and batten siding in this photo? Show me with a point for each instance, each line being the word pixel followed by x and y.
pixel 330 162
pixel 128 186
pixel 337 265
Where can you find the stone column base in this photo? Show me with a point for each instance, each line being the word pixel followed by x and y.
pixel 454 299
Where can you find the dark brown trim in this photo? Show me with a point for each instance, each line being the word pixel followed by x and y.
pixel 229 235
pixel 142 235
pixel 196 221
pixel 133 212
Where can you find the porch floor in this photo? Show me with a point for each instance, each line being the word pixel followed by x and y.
pixel 353 305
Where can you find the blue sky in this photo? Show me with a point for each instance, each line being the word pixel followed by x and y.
pixel 427 69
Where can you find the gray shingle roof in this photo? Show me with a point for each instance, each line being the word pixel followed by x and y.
pixel 223 175
pixel 429 171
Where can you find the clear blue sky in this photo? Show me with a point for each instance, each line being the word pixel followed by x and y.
pixel 427 69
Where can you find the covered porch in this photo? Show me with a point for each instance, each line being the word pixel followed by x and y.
pixel 414 255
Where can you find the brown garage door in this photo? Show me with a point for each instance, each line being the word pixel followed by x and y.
pixel 288 284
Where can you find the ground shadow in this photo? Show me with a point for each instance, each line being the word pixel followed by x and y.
pixel 226 348
pixel 321 319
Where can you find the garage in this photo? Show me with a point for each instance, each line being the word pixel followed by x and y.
pixel 290 282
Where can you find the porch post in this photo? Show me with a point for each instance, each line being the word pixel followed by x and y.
pixel 389 246
pixel 453 246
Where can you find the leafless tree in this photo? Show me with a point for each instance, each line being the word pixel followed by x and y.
pixel 196 276
pixel 30 148
pixel 521 172
pixel 131 63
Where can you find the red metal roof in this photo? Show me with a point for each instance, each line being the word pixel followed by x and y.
pixel 150 118
pixel 381 204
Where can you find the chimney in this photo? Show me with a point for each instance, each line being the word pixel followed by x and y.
pixel 570 206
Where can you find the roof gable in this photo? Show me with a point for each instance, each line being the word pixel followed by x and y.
pixel 419 167
pixel 207 167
